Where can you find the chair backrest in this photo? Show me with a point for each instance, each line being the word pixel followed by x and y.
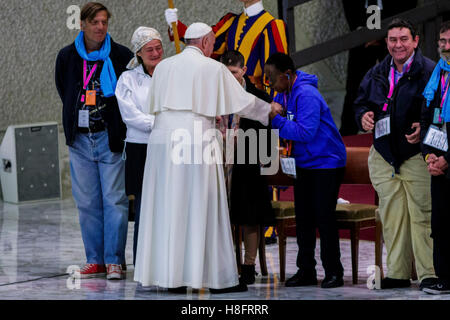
pixel 357 168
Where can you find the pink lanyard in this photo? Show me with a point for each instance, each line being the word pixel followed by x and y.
pixel 288 150
pixel 393 83
pixel 88 78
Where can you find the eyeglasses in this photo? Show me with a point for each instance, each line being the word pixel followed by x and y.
pixel 443 42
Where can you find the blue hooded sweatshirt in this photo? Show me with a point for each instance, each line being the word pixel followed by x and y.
pixel 317 143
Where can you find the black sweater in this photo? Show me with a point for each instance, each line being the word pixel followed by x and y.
pixel 68 78
pixel 404 108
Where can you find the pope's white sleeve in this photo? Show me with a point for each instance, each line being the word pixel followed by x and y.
pixel 132 116
pixel 259 111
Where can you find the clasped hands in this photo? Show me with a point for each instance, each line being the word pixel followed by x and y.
pixel 276 109
pixel 436 165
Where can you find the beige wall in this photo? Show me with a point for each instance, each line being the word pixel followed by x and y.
pixel 33 31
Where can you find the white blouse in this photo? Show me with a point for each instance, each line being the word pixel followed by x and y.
pixel 132 95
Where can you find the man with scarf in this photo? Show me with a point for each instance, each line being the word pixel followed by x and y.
pixel 389 102
pixel 435 124
pixel 86 75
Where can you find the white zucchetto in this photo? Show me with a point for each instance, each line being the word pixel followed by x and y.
pixel 197 30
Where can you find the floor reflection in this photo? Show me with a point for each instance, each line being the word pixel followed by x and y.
pixel 39 241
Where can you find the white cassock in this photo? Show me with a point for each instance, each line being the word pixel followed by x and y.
pixel 184 233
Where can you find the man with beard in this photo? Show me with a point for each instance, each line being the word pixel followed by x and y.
pixel 436 123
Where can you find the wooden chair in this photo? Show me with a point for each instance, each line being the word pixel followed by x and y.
pixel 284 212
pixel 358 216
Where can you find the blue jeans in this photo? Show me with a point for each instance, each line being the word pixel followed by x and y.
pixel 98 187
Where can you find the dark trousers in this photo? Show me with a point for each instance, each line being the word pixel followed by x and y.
pixel 137 210
pixel 440 226
pixel 316 192
pixel 134 175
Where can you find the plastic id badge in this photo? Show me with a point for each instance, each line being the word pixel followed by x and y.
pixel 383 127
pixel 288 166
pixel 90 97
pixel 83 119
pixel 436 138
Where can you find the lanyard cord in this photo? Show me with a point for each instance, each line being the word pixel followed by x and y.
pixel 393 83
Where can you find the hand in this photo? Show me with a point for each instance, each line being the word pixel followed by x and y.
pixel 276 109
pixel 171 16
pixel 441 163
pixel 367 121
pixel 414 137
pixel 436 166
pixel 434 170
pixel 431 158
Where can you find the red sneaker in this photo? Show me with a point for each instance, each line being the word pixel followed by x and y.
pixel 114 272
pixel 91 270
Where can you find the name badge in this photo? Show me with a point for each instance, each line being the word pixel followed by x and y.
pixel 436 138
pixel 83 119
pixel 383 127
pixel 288 166
pixel 90 97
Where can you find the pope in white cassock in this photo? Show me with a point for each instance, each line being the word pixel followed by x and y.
pixel 185 234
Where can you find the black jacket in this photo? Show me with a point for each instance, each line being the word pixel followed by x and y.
pixel 250 196
pixel 425 122
pixel 69 78
pixel 404 107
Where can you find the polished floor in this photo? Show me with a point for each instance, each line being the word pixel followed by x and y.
pixel 41 242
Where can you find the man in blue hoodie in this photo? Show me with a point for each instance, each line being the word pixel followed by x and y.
pixel 320 158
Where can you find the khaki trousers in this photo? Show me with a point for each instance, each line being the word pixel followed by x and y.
pixel 405 212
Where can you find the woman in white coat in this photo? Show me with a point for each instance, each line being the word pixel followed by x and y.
pixel 132 95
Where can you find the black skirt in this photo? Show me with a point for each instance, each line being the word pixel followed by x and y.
pixel 250 197
pixel 134 167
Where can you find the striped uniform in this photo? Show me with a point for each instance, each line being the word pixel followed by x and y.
pixel 256 37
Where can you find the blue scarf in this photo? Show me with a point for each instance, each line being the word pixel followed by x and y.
pixel 433 85
pixel 108 79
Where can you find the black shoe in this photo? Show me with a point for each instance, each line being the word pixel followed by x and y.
pixel 301 279
pixel 178 290
pixel 241 287
pixel 247 274
pixel 428 282
pixel 439 288
pixel 332 282
pixel 391 283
